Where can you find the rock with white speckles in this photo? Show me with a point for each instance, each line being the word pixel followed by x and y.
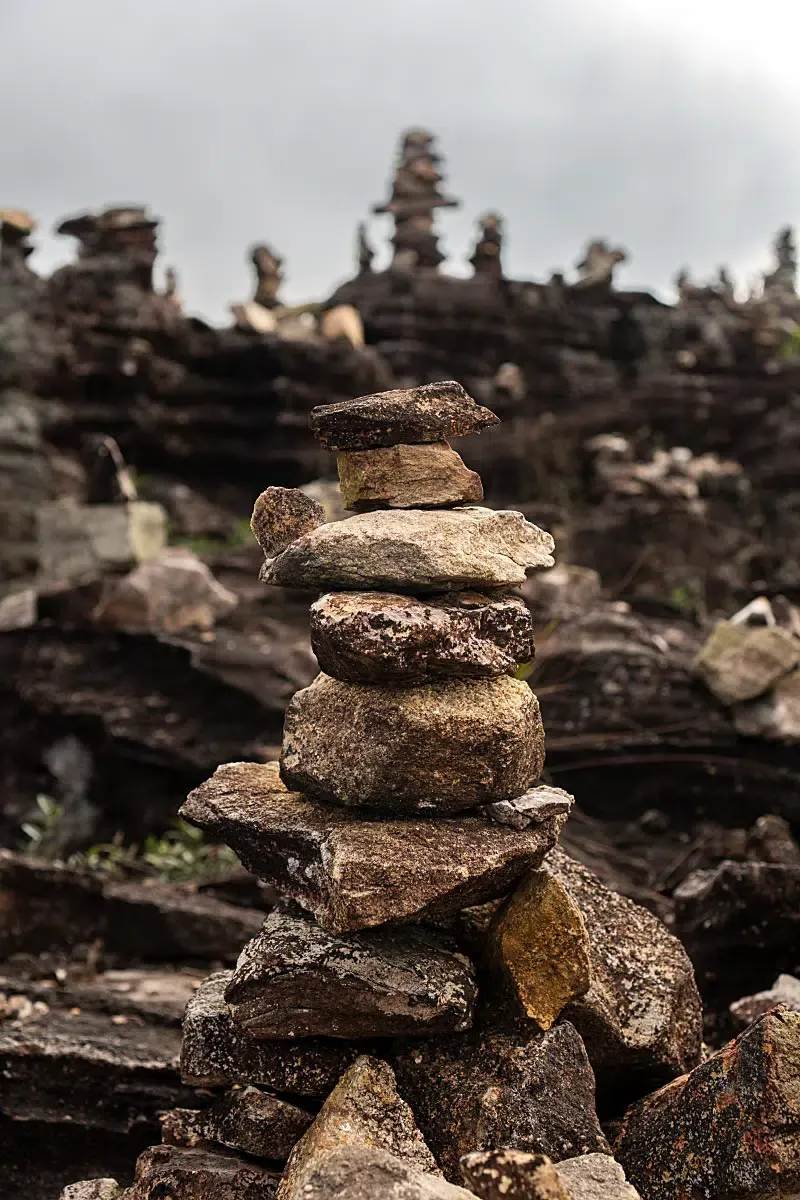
pixel 296 980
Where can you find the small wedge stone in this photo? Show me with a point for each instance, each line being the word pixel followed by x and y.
pixel 379 637
pixel 431 476
pixel 439 747
pixel 532 807
pixel 411 550
pixel 295 980
pixel 429 413
pixel 283 514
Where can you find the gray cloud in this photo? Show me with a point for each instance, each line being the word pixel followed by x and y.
pixel 240 120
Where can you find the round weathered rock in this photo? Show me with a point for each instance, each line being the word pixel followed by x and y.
pixel 411 550
pixel 376 637
pixel 281 515
pixel 411 415
pixel 441 747
pixel 432 476
pixel 539 945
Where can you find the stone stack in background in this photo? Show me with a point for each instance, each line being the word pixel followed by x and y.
pixel 426 916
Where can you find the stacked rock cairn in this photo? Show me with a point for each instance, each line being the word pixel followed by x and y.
pixel 461 997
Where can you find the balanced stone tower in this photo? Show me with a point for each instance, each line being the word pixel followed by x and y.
pixel 406 832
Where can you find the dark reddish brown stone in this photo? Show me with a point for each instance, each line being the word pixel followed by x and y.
pixel 377 637
pixel 430 413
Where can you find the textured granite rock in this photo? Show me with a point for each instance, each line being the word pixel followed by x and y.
pixel 595 1177
pixel 364 1109
pixel 740 662
pixel 172 592
pixel 539 946
pixel 92 1189
pixel 281 515
pixel 429 413
pixel 512 1175
pixel 362 1173
pixel 534 1092
pixel 253 1122
pixel 195 1174
pixel 356 874
pixel 730 1128
pixel 296 980
pixel 641 1019
pixel 532 807
pixel 437 747
pixel 216 1051
pixel 378 637
pixel 410 550
pixel 785 990
pixel 432 476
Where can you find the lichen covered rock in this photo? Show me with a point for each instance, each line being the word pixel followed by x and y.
pixel 283 514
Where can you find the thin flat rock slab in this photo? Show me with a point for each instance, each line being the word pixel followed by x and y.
pixel 366 1173
pixel 199 1174
pixel 641 1019
pixel 296 980
pixel 431 413
pixel 216 1051
pixel 380 637
pixel 437 747
pixel 411 550
pixel 357 874
pixel 730 1128
pixel 281 515
pixel 512 1175
pixel 364 1109
pixel 532 1091
pixel 432 476
pixel 532 807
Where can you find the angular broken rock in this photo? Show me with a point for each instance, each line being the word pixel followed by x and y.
pixel 296 980
pixel 430 413
pixel 785 990
pixel 538 944
pixel 216 1051
pixel 364 1109
pixel 92 1189
pixel 740 662
pixel 731 1128
pixel 437 747
pixel 169 593
pixel 281 515
pixel 534 1092
pixel 377 637
pixel 362 1173
pixel 513 1175
pixel 253 1122
pixel 595 1177
pixel 740 922
pixel 356 874
pixel 641 1019
pixel 199 1174
pixel 431 476
pixel 532 807
pixel 411 550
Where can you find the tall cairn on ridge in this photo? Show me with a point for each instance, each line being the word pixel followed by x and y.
pixel 414 851
pixel 414 200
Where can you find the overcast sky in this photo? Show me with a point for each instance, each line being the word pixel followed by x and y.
pixel 671 127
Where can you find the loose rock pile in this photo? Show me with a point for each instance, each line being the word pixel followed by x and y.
pixel 428 919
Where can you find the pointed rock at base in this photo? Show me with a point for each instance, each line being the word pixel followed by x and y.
pixel 184 1174
pixel 357 874
pixel 379 637
pixel 364 1109
pixel 729 1128
pixel 512 1175
pixel 411 415
pixel 539 945
pixel 295 980
pixel 363 1173
pixel 439 747
pixel 431 476
pixel 216 1051
pixel 411 550
pixel 534 1092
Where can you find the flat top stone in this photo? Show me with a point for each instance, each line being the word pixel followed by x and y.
pixel 356 874
pixel 429 413
pixel 415 550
